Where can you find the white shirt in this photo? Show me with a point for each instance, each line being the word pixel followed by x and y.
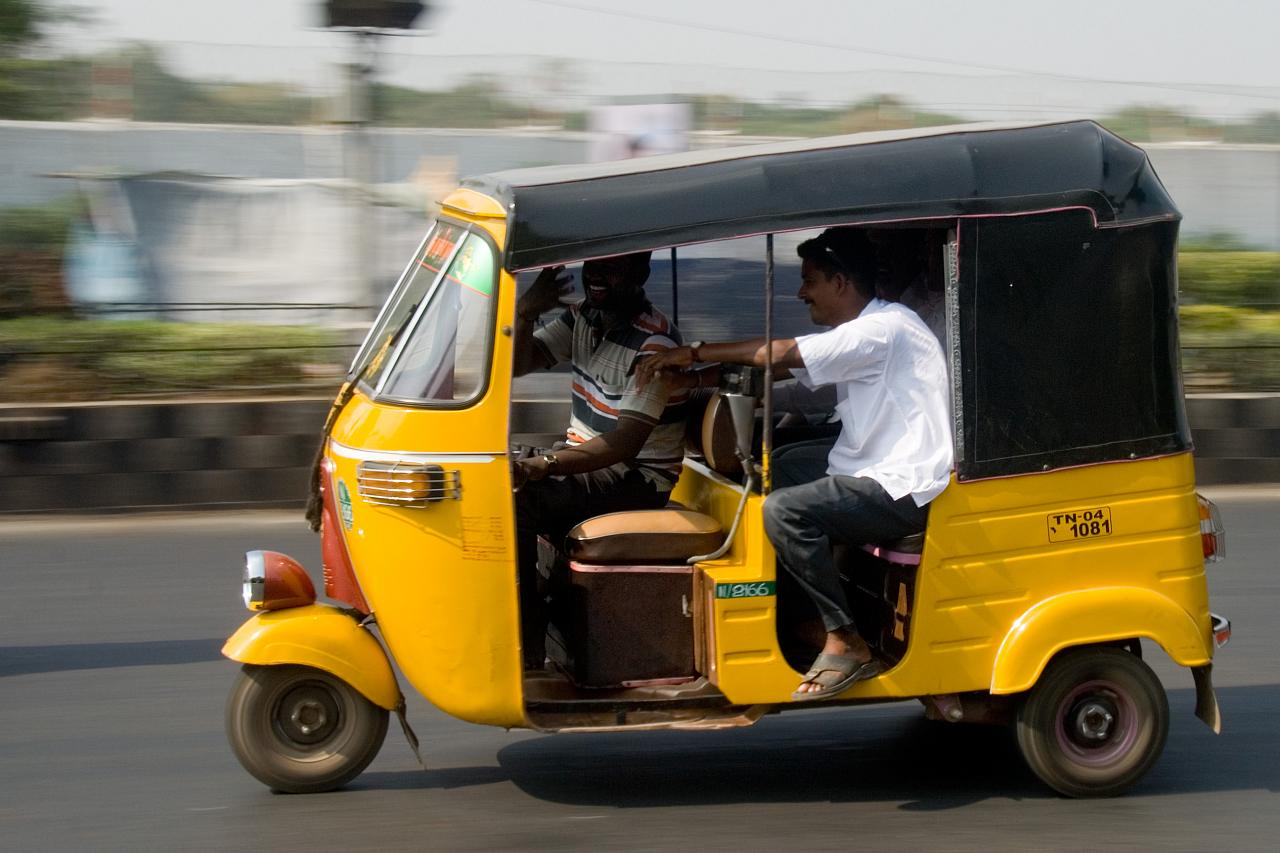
pixel 891 396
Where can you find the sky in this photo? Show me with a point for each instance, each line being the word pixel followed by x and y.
pixel 985 58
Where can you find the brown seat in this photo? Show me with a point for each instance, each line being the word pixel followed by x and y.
pixel 644 536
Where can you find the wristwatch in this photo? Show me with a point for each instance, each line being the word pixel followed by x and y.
pixel 552 463
pixel 693 350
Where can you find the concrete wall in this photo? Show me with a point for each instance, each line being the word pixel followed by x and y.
pixel 1231 188
pixel 1234 188
pixel 35 150
pixel 113 457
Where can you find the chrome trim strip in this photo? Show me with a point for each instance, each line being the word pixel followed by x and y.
pixel 338 449
pixel 951 341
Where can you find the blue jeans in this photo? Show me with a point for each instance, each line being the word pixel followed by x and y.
pixel 809 510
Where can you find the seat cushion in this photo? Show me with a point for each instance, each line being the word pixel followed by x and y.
pixel 644 536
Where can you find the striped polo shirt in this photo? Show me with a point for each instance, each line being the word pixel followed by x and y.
pixel 604 385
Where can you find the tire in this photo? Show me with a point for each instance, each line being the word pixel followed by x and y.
pixel 301 730
pixel 1094 723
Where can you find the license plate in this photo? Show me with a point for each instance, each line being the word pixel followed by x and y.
pixel 759 589
pixel 1079 524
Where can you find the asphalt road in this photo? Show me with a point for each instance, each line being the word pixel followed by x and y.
pixel 112 694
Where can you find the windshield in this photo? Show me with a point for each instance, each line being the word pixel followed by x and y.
pixel 443 352
pixel 422 272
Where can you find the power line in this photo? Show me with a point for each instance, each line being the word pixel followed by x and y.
pixel 850 48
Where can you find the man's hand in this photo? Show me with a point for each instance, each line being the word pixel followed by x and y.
pixel 668 361
pixel 531 469
pixel 551 286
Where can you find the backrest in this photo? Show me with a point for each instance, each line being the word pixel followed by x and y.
pixel 719 441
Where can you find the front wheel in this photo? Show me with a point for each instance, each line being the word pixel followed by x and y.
pixel 301 730
pixel 1095 722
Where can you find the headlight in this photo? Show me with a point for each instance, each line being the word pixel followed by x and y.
pixel 274 581
pixel 255 580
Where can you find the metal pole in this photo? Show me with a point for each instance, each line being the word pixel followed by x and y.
pixel 675 290
pixel 361 168
pixel 766 451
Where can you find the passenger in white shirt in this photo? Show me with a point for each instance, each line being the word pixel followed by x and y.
pixel 892 457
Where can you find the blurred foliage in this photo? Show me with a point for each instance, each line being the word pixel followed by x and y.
pixel 883 112
pixel 1159 124
pixel 64 88
pixel 53 358
pixel 1230 278
pixel 1230 348
pixel 479 101
pixel 159 95
pixel 31 88
pixel 23 23
pixel 1214 241
pixel 32 244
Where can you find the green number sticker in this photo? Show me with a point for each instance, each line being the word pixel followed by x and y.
pixel 344 505
pixel 758 589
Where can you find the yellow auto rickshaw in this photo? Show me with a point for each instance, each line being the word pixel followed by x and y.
pixel 1070 533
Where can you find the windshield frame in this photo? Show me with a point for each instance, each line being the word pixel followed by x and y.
pixel 407 331
pixel 396 294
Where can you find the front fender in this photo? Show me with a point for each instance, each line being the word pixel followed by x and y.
pixel 321 636
pixel 1092 616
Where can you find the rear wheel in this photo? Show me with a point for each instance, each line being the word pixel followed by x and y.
pixel 1095 722
pixel 302 730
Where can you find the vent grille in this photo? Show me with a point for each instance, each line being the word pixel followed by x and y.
pixel 406 484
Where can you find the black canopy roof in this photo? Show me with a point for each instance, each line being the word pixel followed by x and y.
pixel 563 214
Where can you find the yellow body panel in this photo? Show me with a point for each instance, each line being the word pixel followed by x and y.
pixel 469 204
pixel 995 597
pixel 320 636
pixel 441 579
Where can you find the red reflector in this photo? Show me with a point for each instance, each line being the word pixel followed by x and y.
pixel 339 575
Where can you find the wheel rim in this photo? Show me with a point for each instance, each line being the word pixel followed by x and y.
pixel 1097 724
pixel 307 714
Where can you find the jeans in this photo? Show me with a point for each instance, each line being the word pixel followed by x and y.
pixel 810 510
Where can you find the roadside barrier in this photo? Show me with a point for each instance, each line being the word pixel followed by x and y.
pixel 239 454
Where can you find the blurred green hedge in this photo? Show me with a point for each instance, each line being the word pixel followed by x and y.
pixel 56 358
pixel 1230 278
pixel 1230 348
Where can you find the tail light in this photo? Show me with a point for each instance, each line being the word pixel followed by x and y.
pixel 340 581
pixel 1221 630
pixel 1213 535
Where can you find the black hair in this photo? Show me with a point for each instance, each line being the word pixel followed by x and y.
pixel 843 250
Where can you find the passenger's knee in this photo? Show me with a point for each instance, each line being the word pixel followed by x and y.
pixel 777 512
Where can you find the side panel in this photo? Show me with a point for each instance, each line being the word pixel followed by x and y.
pixel 990 561
pixel 441 579
pixel 1000 550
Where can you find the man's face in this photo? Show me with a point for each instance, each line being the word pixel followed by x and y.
pixel 822 293
pixel 609 283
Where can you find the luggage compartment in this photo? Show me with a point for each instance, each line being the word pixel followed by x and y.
pixel 622 626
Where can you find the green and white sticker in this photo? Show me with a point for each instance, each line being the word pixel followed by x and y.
pixel 757 589
pixel 344 505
